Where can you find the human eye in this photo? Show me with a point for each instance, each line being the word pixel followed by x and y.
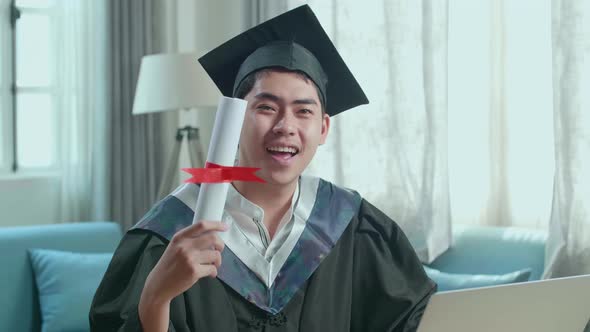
pixel 306 111
pixel 264 107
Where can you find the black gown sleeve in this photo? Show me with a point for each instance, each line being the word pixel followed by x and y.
pixel 391 290
pixel 114 307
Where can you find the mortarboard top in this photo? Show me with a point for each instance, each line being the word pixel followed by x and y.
pixel 294 40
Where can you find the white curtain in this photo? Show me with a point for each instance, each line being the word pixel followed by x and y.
pixel 394 150
pixel 514 130
pixel 568 250
pixel 80 36
pixel 519 126
pixel 501 158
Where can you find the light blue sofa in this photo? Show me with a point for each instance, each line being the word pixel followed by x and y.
pixel 476 250
pixel 19 300
pixel 494 251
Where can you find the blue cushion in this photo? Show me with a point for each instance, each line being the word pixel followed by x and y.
pixel 16 272
pixel 67 282
pixel 451 281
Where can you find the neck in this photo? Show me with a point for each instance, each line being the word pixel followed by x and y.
pixel 274 199
pixel 270 197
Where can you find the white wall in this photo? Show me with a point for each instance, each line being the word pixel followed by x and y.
pixel 29 200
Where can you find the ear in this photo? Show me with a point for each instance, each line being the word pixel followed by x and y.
pixel 325 128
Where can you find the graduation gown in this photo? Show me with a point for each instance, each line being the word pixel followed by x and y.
pixel 351 269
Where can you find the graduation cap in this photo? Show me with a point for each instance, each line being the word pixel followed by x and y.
pixel 295 41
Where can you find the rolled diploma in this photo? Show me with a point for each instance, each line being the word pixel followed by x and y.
pixel 222 151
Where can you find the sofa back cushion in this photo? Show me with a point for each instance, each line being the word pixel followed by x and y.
pixel 19 300
pixel 494 251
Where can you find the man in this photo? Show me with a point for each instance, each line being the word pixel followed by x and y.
pixel 296 253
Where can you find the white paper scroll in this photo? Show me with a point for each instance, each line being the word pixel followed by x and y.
pixel 222 151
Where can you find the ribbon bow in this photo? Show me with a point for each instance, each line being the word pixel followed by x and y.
pixel 213 173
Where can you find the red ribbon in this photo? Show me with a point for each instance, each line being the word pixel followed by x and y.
pixel 213 173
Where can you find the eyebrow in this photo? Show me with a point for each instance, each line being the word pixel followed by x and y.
pixel 270 96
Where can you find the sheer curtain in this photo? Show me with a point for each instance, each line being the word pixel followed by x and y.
pixel 394 150
pixel 568 250
pixel 519 130
pixel 501 158
pixel 110 161
pixel 510 146
pixel 80 35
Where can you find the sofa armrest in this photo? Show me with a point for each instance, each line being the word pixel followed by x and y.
pixel 494 250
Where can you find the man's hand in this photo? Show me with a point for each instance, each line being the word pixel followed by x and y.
pixel 192 254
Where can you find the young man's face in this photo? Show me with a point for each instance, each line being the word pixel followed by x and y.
pixel 283 126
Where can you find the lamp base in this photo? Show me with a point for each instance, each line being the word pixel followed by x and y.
pixel 195 154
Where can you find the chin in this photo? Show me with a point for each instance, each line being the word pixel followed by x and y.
pixel 281 178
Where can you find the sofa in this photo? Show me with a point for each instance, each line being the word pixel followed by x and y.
pixel 475 250
pixel 486 256
pixel 20 301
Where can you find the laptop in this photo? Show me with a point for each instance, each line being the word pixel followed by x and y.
pixel 552 305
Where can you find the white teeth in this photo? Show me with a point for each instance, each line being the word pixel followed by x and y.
pixel 282 149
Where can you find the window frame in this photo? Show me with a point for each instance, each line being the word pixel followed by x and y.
pixel 7 72
pixel 10 90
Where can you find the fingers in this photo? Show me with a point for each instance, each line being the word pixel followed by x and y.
pixel 209 271
pixel 208 241
pixel 209 257
pixel 203 226
pixel 199 247
pixel 208 262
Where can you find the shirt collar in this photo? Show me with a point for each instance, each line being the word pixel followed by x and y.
pixel 237 202
pixel 244 240
pixel 236 241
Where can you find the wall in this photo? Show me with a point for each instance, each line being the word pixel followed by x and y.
pixel 28 200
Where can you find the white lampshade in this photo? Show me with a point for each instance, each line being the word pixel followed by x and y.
pixel 171 82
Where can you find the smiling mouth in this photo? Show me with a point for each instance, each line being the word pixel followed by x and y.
pixel 282 152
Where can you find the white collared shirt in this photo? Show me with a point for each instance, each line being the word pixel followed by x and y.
pixel 249 218
pixel 248 239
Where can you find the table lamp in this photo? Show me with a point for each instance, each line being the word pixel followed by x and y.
pixel 170 82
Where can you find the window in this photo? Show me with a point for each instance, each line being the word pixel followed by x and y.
pixel 28 87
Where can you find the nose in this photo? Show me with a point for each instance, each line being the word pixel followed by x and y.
pixel 285 126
